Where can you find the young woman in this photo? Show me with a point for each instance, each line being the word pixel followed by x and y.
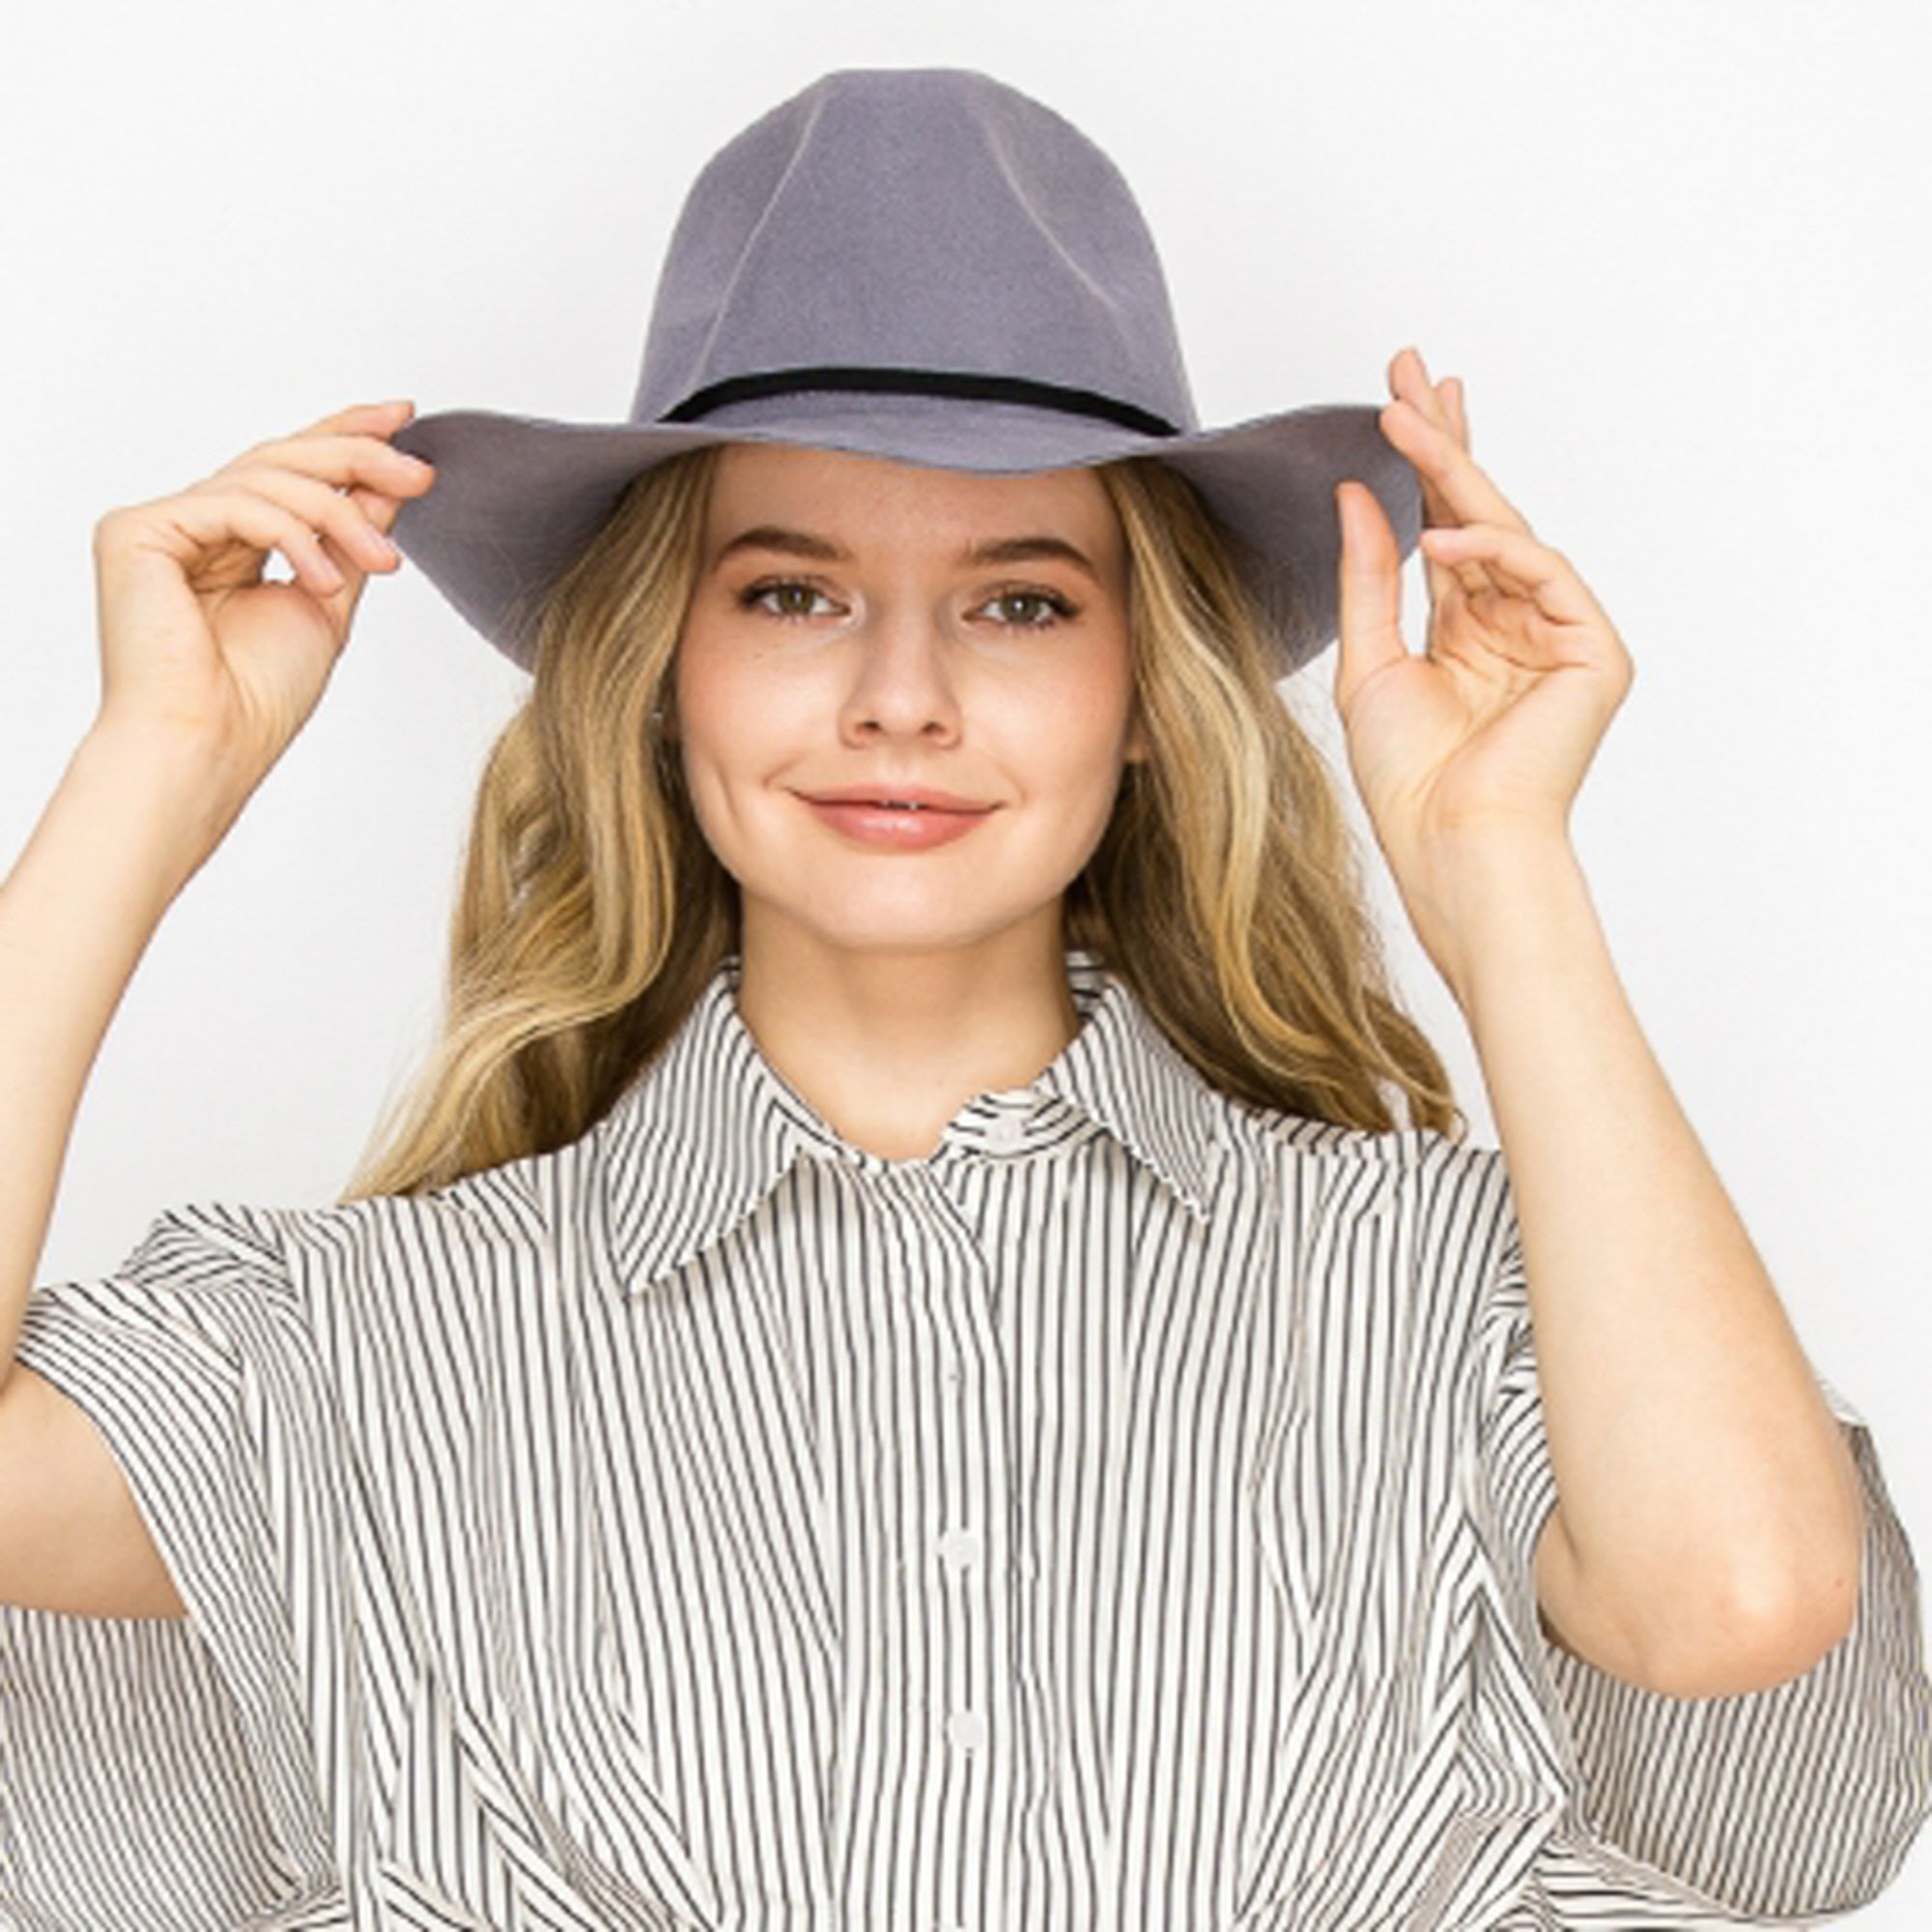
pixel 901 1367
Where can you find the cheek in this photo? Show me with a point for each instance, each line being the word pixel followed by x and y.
pixel 705 681
pixel 1089 710
pixel 1064 757
pixel 717 720
pixel 1065 754
pixel 730 705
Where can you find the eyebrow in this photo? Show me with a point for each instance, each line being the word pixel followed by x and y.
pixel 993 550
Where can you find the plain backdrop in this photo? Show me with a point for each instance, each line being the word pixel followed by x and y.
pixel 1669 247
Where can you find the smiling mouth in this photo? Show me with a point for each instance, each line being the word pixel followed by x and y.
pixel 876 822
pixel 899 808
pixel 935 805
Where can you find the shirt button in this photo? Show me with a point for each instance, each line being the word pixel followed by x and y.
pixel 960 1548
pixel 1006 1130
pixel 966 1729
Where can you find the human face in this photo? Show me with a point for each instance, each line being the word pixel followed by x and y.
pixel 895 663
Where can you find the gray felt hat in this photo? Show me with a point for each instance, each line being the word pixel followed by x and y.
pixel 921 264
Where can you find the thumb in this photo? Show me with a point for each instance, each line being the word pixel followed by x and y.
pixel 1369 591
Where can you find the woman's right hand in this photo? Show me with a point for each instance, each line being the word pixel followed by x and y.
pixel 195 643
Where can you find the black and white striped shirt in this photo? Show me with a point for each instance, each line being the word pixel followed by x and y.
pixel 1121 1518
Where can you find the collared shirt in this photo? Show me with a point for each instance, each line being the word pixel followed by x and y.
pixel 1122 1516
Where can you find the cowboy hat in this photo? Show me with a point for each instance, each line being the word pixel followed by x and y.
pixel 921 264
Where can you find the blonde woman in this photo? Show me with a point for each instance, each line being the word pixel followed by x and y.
pixel 930 1349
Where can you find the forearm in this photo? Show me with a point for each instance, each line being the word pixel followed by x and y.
pixel 128 825
pixel 1704 1482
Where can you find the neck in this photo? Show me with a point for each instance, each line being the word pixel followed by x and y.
pixel 888 1044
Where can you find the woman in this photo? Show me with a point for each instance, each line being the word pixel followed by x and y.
pixel 900 1368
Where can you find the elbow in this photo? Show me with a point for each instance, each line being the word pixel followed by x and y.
pixel 1818 1607
pixel 1761 1639
pixel 1823 1611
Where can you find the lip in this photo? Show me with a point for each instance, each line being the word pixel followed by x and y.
pixel 871 794
pixel 870 824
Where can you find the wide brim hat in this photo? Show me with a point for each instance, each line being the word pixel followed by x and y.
pixel 923 265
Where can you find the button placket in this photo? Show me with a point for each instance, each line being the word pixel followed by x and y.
pixel 961 1549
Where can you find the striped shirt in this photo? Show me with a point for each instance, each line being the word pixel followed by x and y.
pixel 1122 1516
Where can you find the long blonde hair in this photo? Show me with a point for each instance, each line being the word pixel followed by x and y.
pixel 1226 889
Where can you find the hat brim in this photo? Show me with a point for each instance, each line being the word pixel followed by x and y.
pixel 515 498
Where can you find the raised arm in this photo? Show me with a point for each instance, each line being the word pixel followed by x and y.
pixel 208 671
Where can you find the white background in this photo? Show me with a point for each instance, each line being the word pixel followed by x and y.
pixel 1675 251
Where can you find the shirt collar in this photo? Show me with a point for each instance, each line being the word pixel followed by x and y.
pixel 710 1126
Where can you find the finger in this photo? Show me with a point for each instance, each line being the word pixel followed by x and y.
pixel 365 416
pixel 317 476
pixel 1409 382
pixel 1408 377
pixel 1468 576
pixel 1472 577
pixel 1522 566
pixel 1369 590
pixel 1439 458
pixel 341 459
pixel 350 540
pixel 381 510
pixel 205 519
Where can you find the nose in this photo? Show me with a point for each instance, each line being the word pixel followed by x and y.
pixel 900 682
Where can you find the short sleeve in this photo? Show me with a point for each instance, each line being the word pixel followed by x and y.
pixel 163 1771
pixel 1800 1799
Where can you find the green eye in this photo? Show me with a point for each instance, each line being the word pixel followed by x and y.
pixel 758 592
pixel 1058 606
pixel 1058 609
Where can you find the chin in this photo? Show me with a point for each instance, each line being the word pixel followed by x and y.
pixel 923 921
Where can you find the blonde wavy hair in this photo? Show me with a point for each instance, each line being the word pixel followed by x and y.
pixel 1226 889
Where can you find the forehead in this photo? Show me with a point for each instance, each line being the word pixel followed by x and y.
pixel 871 499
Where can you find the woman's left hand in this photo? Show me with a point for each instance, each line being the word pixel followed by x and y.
pixel 1486 736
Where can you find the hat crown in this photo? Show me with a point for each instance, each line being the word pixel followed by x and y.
pixel 913 218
